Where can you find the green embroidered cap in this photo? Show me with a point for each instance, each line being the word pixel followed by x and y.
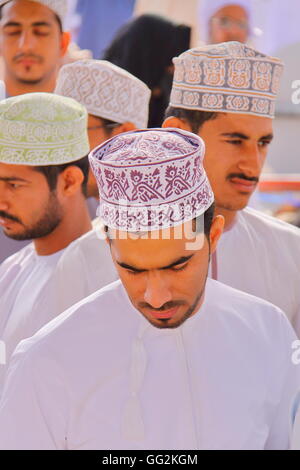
pixel 42 129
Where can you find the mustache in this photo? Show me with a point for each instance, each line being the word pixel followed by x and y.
pixel 166 306
pixel 4 215
pixel 243 177
pixel 27 56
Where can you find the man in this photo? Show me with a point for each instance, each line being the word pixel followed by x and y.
pixel 226 94
pixel 225 20
pixel 32 44
pixel 43 176
pixel 163 358
pixel 116 102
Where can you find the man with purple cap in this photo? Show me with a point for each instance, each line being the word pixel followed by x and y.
pixel 164 358
pixel 226 94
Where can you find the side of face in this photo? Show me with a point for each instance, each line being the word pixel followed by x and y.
pixel 26 203
pixel 31 42
pixel 165 278
pixel 236 149
pixel 97 135
pixel 229 23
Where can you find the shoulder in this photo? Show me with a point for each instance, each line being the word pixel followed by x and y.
pixel 18 257
pixel 92 317
pixel 252 313
pixel 265 222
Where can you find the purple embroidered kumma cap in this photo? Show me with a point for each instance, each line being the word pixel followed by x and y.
pixel 151 179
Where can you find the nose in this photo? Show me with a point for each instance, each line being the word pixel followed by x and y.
pixel 26 41
pixel 251 161
pixel 157 291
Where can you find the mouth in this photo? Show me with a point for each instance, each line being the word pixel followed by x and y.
pixel 6 223
pixel 243 185
pixel 164 314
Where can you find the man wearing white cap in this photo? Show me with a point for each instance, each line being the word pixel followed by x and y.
pixel 226 94
pixel 116 102
pixel 163 358
pixel 32 43
pixel 43 177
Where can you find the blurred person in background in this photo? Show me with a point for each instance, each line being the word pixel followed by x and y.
pixel 225 20
pixel 145 47
pixel 32 44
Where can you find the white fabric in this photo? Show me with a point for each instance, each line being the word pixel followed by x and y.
pixel 58 6
pixel 261 255
pixel 106 91
pixel 101 377
pixel 295 444
pixel 87 265
pixel 26 304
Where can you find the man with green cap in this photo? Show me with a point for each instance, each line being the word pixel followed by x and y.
pixel 43 177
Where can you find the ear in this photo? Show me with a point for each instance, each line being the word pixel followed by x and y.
pixel 65 42
pixel 176 122
pixel 216 231
pixel 124 127
pixel 70 181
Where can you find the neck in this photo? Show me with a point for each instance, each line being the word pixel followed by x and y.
pixel 76 222
pixel 228 215
pixel 15 87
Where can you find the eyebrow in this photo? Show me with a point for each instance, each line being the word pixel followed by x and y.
pixel 9 179
pixel 240 135
pixel 36 23
pixel 181 260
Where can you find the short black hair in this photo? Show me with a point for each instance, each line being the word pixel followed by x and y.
pixel 194 117
pixel 51 172
pixel 55 14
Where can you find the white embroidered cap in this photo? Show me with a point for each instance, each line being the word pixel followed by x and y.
pixel 106 90
pixel 58 6
pixel 227 77
pixel 151 179
pixel 42 129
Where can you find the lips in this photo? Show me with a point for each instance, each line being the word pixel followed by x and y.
pixel 243 185
pixel 164 314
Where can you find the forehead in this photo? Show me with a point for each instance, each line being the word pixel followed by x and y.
pixel 233 11
pixel 252 126
pixel 150 253
pixel 26 12
pixel 19 171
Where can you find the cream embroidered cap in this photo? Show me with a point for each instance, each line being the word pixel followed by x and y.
pixel 42 129
pixel 227 77
pixel 106 90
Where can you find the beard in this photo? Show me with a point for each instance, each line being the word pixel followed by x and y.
pixel 46 224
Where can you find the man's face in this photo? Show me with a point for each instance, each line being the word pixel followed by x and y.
pixel 230 23
pixel 28 209
pixel 97 135
pixel 236 148
pixel 164 278
pixel 30 41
